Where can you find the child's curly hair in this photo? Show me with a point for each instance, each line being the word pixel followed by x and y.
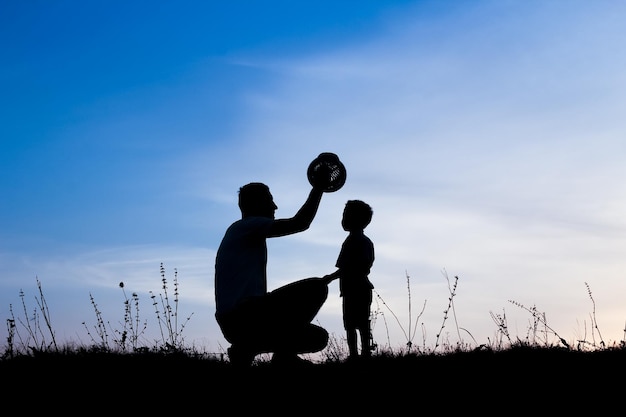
pixel 357 214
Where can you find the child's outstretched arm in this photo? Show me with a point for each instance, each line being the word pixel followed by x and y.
pixel 331 277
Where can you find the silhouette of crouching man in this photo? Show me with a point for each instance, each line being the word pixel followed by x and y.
pixel 252 319
pixel 279 322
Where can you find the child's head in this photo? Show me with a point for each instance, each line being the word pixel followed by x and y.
pixel 356 215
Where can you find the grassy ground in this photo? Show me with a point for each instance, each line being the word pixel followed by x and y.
pixel 539 375
pixel 522 379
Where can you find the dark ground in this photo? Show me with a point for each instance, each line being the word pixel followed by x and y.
pixel 519 381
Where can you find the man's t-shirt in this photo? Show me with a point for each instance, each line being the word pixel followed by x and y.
pixel 241 262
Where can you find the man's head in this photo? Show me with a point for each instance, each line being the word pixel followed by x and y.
pixel 356 215
pixel 255 199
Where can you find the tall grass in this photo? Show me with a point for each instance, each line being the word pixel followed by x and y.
pixel 169 327
pixel 411 330
pixel 538 334
pixel 38 334
pixel 32 332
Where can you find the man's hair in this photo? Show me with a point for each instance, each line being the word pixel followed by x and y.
pixel 250 195
pixel 360 213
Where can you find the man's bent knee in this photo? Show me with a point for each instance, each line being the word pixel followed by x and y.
pixel 318 338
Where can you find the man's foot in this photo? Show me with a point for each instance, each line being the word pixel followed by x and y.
pixel 289 360
pixel 240 357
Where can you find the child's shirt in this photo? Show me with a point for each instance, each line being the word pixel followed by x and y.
pixel 354 262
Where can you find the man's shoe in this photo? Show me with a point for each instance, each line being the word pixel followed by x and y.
pixel 239 357
pixel 286 360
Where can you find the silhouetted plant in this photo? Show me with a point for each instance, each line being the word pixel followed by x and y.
pixel 10 349
pixel 377 313
pixel 167 318
pixel 534 331
pixel 133 329
pixel 100 327
pixel 502 330
pixel 452 291
pixel 410 335
pixel 594 322
pixel 124 339
pixel 36 338
pixel 129 336
pixel 335 351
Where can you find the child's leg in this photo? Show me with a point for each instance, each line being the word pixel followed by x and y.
pixel 351 337
pixel 366 330
pixel 366 337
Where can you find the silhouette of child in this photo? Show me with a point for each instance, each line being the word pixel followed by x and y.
pixel 354 263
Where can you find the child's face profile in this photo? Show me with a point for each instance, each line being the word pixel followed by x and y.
pixel 346 220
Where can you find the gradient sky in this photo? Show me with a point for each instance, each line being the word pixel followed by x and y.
pixel 488 136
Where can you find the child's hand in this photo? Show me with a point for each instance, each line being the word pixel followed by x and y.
pixel 330 277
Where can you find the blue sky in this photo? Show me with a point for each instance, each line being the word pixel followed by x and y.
pixel 488 137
